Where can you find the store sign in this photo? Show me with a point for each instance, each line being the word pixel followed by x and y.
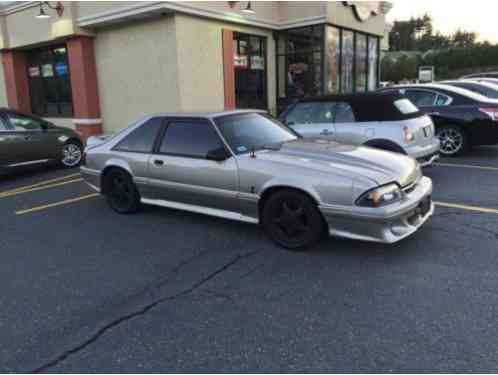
pixel 47 71
pixel 240 61
pixel 34 71
pixel 363 9
pixel 257 63
pixel 61 69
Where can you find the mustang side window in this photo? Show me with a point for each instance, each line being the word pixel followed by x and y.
pixel 141 139
pixel 192 139
pixel 344 113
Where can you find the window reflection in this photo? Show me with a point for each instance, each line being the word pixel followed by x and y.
pixel 361 62
pixel 333 61
pixel 347 61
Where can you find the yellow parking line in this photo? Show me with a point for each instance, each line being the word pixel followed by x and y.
pixel 468 208
pixel 22 191
pixel 61 203
pixel 467 166
pixel 41 183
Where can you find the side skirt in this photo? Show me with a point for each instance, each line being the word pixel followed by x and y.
pixel 201 210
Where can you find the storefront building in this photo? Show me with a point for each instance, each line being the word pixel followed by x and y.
pixel 97 66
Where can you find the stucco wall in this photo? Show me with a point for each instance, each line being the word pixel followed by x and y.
pixel 200 62
pixel 342 15
pixel 23 28
pixel 136 70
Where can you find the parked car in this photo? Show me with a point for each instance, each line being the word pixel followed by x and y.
pixel 462 118
pixel 481 75
pixel 386 121
pixel 487 89
pixel 26 139
pixel 247 166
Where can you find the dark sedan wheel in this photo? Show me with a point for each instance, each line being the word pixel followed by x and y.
pixel 292 220
pixel 453 140
pixel 72 153
pixel 122 194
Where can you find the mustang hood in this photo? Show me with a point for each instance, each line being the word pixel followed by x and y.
pixel 377 165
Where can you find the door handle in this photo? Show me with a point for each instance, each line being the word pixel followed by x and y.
pixel 325 132
pixel 27 137
pixel 158 162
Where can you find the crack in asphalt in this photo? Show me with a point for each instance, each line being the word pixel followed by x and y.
pixel 98 332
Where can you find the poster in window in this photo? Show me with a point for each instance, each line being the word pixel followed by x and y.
pixel 47 71
pixel 240 61
pixel 34 71
pixel 257 63
pixel 61 69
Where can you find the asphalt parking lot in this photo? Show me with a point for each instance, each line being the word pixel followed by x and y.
pixel 83 289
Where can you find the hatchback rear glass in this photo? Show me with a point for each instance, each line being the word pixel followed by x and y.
pixel 405 106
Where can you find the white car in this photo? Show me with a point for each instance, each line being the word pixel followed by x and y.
pixel 387 121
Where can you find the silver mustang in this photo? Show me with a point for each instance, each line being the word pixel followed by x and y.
pixel 246 166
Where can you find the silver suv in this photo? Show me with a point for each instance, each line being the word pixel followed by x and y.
pixel 388 121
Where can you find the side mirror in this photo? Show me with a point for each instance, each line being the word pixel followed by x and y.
pixel 290 123
pixel 218 154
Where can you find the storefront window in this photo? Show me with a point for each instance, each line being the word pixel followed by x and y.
pixel 250 71
pixel 299 56
pixel 333 60
pixel 351 62
pixel 373 62
pixel 50 83
pixel 347 61
pixel 361 62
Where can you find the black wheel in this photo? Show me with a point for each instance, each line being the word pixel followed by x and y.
pixel 72 153
pixel 292 220
pixel 453 140
pixel 122 194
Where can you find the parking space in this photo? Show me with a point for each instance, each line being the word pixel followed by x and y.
pixel 85 289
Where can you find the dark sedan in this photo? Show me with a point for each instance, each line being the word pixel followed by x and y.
pixel 26 139
pixel 462 118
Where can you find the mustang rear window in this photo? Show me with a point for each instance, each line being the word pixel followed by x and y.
pixel 405 106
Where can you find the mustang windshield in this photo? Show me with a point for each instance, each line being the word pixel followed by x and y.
pixel 253 131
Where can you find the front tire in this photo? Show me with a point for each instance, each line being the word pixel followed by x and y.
pixel 121 193
pixel 454 141
pixel 72 153
pixel 292 220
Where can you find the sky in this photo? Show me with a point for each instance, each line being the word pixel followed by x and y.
pixel 476 15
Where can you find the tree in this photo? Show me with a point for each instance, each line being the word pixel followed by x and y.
pixel 463 38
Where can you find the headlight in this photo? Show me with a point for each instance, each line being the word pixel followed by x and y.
pixel 408 134
pixel 380 196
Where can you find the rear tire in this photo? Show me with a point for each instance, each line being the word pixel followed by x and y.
pixel 454 140
pixel 292 220
pixel 121 193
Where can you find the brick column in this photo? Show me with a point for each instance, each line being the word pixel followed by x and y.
pixel 84 87
pixel 228 69
pixel 16 80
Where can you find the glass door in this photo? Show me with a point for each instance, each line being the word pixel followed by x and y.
pixel 250 71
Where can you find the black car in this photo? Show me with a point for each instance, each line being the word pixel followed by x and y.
pixel 462 118
pixel 25 139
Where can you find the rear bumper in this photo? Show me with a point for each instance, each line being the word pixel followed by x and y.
pixel 425 154
pixel 91 177
pixel 386 224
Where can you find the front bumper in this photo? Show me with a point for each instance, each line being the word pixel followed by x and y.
pixel 91 177
pixel 386 224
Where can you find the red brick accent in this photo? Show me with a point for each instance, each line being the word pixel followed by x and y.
pixel 228 69
pixel 16 80
pixel 84 86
